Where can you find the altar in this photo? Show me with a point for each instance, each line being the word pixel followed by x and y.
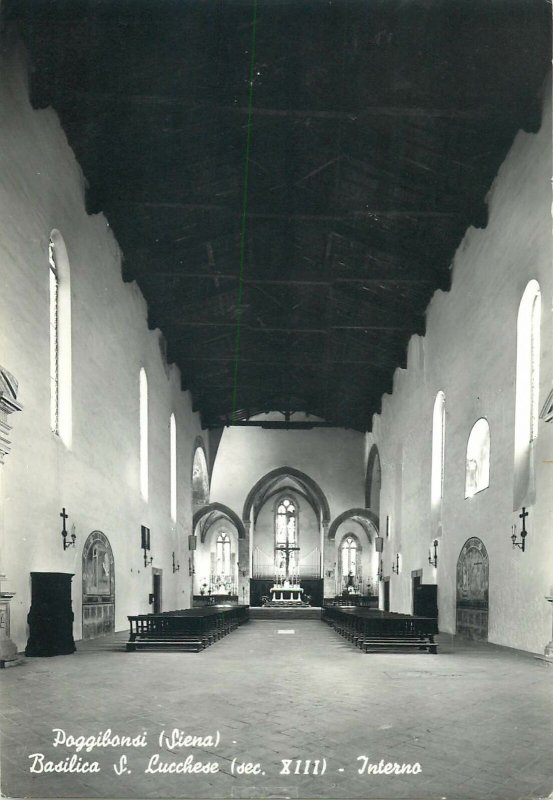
pixel 286 592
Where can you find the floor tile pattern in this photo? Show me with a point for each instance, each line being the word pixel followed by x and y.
pixel 478 719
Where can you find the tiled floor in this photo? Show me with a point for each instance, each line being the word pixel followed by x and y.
pixel 478 720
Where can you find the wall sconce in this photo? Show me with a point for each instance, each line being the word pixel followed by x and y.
pixel 176 566
pixel 380 573
pixel 395 567
pixel 523 533
pixel 64 533
pixel 433 561
pixel 145 544
pixel 191 569
pixel 241 572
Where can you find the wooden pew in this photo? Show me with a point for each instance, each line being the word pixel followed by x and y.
pixel 189 629
pixel 377 631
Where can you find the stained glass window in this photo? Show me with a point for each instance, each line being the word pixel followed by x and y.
pixel 286 534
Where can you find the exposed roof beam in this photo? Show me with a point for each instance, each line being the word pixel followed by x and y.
pixel 386 277
pixel 493 109
pixel 406 325
pixel 285 362
pixel 361 213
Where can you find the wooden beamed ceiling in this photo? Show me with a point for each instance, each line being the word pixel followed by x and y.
pixel 376 128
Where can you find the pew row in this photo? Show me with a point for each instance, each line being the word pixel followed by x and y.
pixel 376 631
pixel 190 629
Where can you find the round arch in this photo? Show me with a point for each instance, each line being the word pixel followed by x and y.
pixel 310 485
pixel 373 480
pixel 199 475
pixel 224 511
pixel 364 513
pixel 98 586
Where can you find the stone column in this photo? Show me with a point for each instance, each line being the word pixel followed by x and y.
pixel 8 404
pixel 245 567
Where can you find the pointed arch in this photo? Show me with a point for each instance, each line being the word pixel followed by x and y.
pixel 366 518
pixel 223 511
pixel 311 488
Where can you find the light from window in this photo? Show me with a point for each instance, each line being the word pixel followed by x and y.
pixel 173 465
pixel 60 338
pixel 54 340
pixel 143 434
pixel 527 390
pixel 222 555
pixel 477 471
pixel 438 439
pixel 286 535
pixel 349 557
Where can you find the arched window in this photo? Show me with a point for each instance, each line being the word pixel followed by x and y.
pixel 438 439
pixel 143 434
pixel 350 552
pixel 173 465
pixel 54 340
pixel 527 393
pixel 60 339
pixel 477 472
pixel 286 536
pixel 222 555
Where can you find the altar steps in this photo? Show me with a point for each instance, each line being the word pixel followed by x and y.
pixel 289 613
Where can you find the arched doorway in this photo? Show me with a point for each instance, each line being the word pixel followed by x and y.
pixel 472 590
pixel 98 587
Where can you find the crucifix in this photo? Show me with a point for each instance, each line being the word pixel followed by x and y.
pixel 523 533
pixel 287 549
pixel 67 544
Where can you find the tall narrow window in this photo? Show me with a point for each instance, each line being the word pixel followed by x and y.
pixel 173 465
pixel 438 439
pixel 286 536
pixel 477 470
pixel 143 434
pixel 527 393
pixel 60 338
pixel 54 340
pixel 222 555
pixel 349 557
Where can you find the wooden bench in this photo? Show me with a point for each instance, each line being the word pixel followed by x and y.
pixel 376 631
pixel 190 629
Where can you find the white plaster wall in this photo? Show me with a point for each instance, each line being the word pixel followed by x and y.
pixel 332 457
pixel 97 480
pixel 469 352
